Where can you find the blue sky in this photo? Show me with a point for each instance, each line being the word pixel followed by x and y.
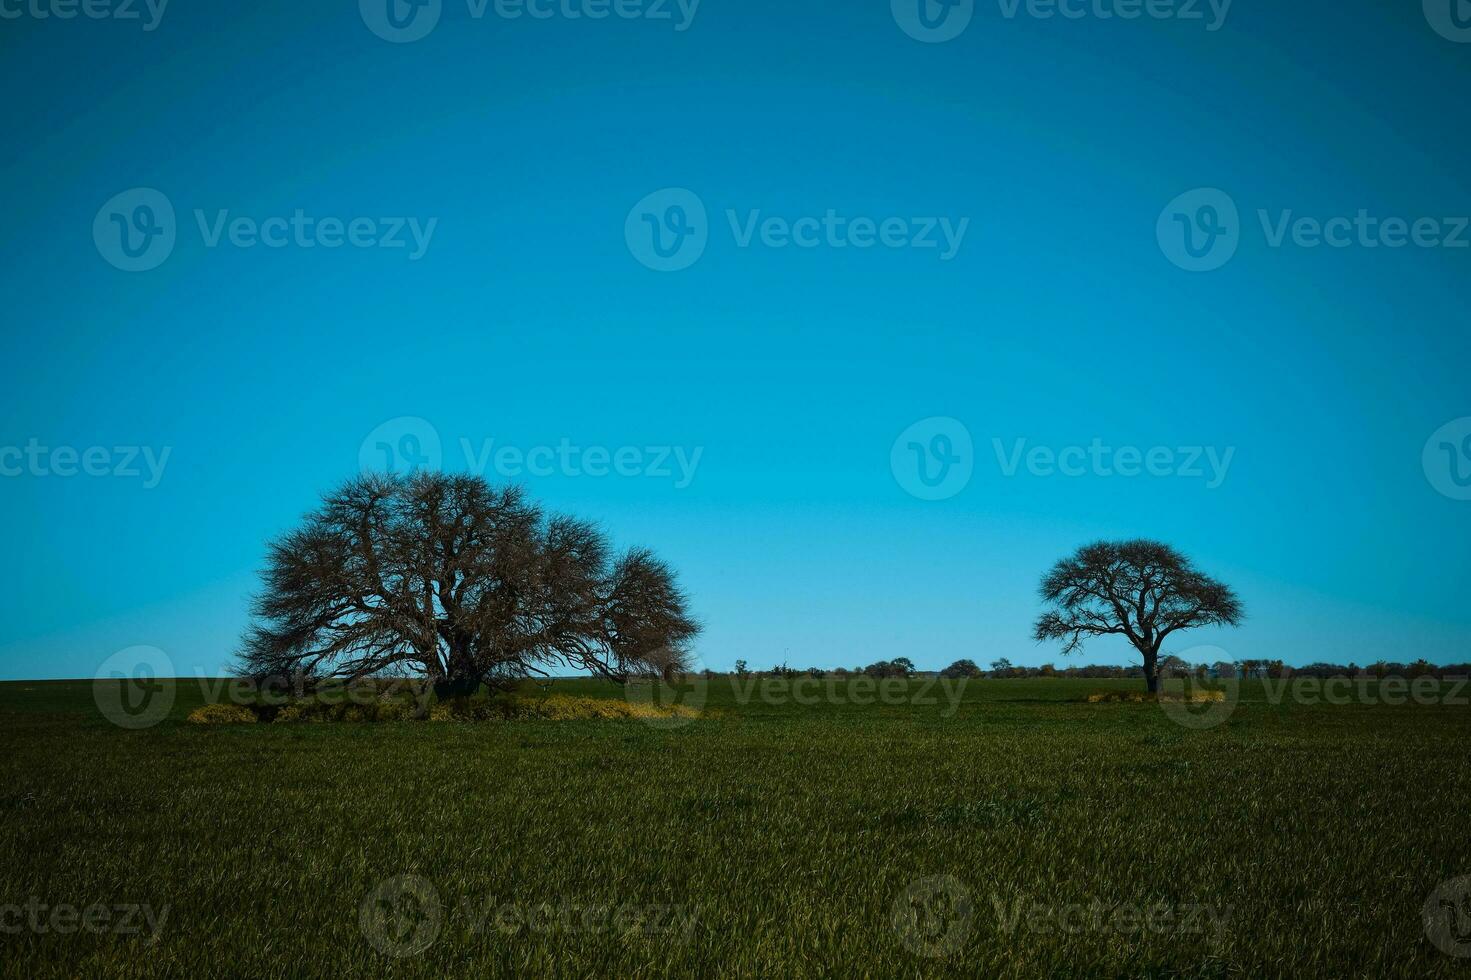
pixel 527 315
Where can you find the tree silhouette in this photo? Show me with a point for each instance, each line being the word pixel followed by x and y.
pixel 1141 590
pixel 451 579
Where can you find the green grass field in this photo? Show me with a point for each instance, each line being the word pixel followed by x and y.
pixel 1023 833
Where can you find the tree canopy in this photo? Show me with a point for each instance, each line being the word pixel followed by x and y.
pixel 449 578
pixel 1141 590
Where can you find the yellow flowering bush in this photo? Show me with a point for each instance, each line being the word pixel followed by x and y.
pixel 509 707
pixel 1194 697
pixel 222 714
pixel 555 707
pixel 373 711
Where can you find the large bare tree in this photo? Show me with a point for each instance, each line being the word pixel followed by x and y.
pixel 448 578
pixel 1140 590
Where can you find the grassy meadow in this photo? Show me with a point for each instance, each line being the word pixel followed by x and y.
pixel 1017 831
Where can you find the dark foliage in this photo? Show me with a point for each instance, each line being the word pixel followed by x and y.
pixel 1141 590
pixel 448 578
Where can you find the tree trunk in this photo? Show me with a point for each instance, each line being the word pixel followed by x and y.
pixel 1151 670
pixel 456 686
pixel 462 679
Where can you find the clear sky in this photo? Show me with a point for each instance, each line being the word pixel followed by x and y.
pixel 536 311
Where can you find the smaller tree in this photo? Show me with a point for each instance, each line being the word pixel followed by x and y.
pixel 742 668
pixel 1173 665
pixel 1141 590
pixel 1001 667
pixel 898 667
pixel 962 668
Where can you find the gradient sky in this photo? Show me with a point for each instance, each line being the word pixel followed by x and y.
pixel 528 320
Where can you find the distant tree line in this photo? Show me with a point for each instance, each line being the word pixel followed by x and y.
pixel 898 667
pixel 1169 665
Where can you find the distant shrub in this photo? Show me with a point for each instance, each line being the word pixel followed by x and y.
pixel 898 667
pixel 222 714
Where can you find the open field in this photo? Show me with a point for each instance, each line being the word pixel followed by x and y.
pixel 1043 834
